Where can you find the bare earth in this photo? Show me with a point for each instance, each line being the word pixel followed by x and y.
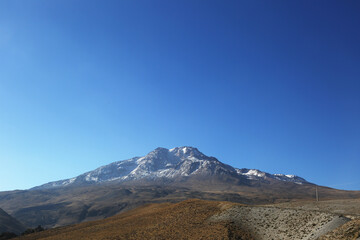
pixel 265 223
pixel 349 208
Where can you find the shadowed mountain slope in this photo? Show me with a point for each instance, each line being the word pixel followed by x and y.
pixel 9 224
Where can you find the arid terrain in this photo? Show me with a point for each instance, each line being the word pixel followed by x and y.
pixel 349 208
pixel 161 176
pixel 181 193
pixel 199 219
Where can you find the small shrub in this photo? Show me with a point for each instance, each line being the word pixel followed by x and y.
pixel 7 235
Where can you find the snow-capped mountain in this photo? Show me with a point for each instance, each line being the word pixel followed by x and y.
pixel 255 174
pixel 162 163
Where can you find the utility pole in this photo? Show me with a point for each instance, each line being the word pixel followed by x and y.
pixel 317 194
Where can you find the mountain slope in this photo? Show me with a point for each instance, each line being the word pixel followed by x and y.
pixel 70 205
pixel 175 164
pixel 10 224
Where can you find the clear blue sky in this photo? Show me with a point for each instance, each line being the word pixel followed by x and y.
pixel 271 85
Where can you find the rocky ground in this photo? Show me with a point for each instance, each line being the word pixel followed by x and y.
pixel 350 230
pixel 349 208
pixel 276 223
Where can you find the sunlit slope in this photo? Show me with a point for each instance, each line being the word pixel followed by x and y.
pixel 199 219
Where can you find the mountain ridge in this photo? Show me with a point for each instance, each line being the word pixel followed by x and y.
pixel 168 164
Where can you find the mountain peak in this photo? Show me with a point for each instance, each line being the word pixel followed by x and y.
pixel 173 164
pixel 160 149
pixel 187 151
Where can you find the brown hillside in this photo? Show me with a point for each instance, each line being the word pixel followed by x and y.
pixel 185 220
pixel 199 219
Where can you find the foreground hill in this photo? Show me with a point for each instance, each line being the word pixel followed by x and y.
pixel 9 224
pixel 198 219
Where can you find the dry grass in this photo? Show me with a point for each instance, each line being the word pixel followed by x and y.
pixel 339 206
pixel 199 219
pixel 185 220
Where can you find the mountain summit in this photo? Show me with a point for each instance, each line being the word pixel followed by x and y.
pixel 174 164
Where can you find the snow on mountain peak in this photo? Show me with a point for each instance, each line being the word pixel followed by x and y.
pixel 186 152
pixel 254 172
pixel 167 163
pixel 257 174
